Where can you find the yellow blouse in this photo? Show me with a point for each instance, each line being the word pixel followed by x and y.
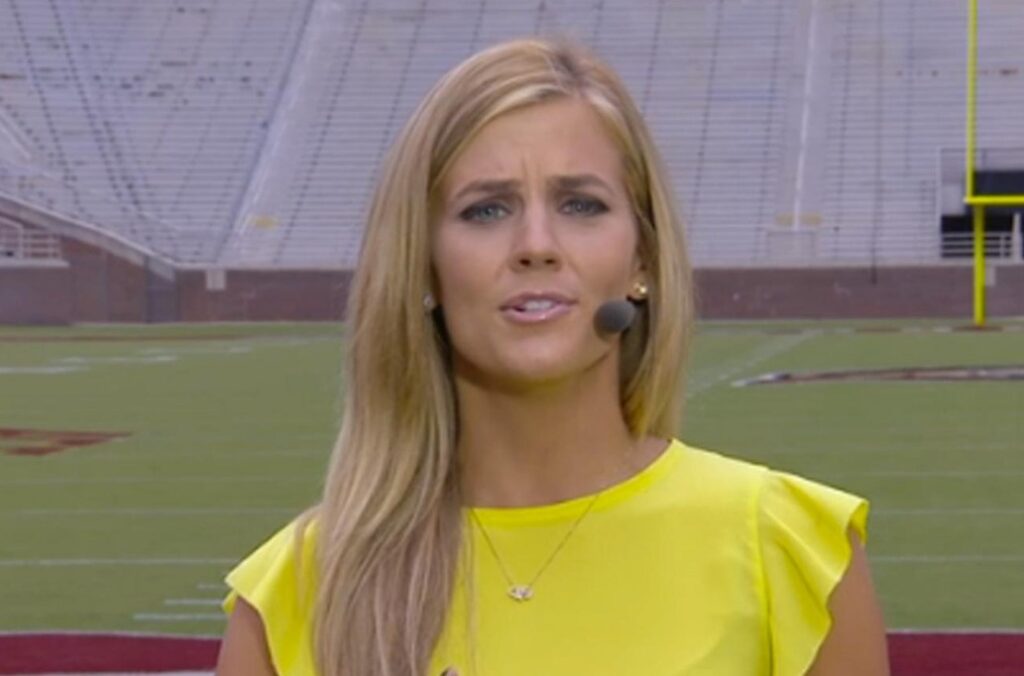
pixel 699 564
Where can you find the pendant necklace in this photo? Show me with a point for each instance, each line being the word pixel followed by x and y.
pixel 524 592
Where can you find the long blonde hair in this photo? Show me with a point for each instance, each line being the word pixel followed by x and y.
pixel 390 520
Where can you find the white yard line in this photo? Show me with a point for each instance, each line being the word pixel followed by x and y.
pixel 941 558
pixel 193 602
pixel 109 633
pixel 58 563
pixel 179 617
pixel 215 454
pixel 935 474
pixel 75 481
pixel 169 511
pixel 39 370
pixel 130 359
pixel 825 450
pixel 951 511
pixel 756 356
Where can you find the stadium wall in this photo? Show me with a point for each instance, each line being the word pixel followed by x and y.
pixel 34 293
pixel 942 291
pixel 96 286
pixel 103 287
pixel 92 286
pixel 263 295
pixel 86 284
pixel 91 282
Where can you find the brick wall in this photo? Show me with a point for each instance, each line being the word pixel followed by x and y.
pixel 940 291
pixel 104 287
pixel 257 295
pixel 98 286
pixel 35 295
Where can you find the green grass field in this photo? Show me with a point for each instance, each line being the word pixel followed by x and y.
pixel 228 427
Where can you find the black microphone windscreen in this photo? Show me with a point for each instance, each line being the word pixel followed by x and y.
pixel 614 316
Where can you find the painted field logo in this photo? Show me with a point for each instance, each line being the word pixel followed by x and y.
pixel 19 441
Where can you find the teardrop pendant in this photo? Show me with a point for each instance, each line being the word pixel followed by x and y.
pixel 520 592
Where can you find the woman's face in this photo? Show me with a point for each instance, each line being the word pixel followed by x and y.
pixel 534 231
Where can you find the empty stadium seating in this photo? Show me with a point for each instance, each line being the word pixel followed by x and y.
pixel 247 133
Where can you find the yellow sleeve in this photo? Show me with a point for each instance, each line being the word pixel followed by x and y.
pixel 270 580
pixel 806 551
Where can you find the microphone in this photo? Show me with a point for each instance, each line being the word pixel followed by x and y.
pixel 614 316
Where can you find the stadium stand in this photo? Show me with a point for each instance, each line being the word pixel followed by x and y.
pixel 244 135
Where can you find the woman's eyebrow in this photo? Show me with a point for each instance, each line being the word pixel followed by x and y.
pixel 576 181
pixel 487 186
pixel 563 182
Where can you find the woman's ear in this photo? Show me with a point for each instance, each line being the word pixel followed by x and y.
pixel 638 290
pixel 433 292
pixel 429 302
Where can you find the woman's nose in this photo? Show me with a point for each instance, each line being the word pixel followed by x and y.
pixel 536 245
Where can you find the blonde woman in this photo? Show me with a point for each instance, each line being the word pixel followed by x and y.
pixel 506 495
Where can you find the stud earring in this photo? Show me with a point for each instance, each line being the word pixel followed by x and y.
pixel 429 304
pixel 639 290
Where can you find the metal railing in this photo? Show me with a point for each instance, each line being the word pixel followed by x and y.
pixel 19 243
pixel 998 245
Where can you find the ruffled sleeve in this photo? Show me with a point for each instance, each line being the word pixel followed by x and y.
pixel 271 581
pixel 805 550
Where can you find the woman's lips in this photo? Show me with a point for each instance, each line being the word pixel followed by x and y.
pixel 536 315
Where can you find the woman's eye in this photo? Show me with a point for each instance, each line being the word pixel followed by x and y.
pixel 482 213
pixel 584 207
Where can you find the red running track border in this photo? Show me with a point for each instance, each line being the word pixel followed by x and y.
pixel 44 653
pixel 911 654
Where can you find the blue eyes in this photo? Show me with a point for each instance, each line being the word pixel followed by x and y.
pixel 487 212
pixel 585 207
pixel 484 213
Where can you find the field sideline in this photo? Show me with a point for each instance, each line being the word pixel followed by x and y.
pixel 138 462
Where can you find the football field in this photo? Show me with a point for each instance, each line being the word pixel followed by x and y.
pixel 138 463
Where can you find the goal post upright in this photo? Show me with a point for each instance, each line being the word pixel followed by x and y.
pixel 978 203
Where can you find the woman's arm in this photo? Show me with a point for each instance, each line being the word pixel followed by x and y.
pixel 244 652
pixel 855 646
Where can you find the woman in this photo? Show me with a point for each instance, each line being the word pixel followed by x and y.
pixel 505 495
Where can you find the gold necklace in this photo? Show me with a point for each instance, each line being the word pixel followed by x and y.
pixel 524 592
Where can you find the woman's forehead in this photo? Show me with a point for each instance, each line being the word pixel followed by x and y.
pixel 565 137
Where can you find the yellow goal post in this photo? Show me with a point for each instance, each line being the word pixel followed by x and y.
pixel 978 203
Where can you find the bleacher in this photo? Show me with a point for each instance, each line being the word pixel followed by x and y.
pixel 142 118
pixel 247 133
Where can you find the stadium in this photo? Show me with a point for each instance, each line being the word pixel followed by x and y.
pixel 183 186
pixel 211 161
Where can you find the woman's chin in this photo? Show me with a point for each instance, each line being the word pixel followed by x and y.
pixel 538 375
pixel 518 373
pixel 528 365
pixel 542 371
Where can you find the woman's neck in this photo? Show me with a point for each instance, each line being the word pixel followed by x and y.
pixel 545 445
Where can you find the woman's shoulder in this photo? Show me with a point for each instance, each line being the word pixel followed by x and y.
pixel 291 548
pixel 714 463
pixel 717 479
pixel 802 549
pixel 769 489
pixel 278 579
